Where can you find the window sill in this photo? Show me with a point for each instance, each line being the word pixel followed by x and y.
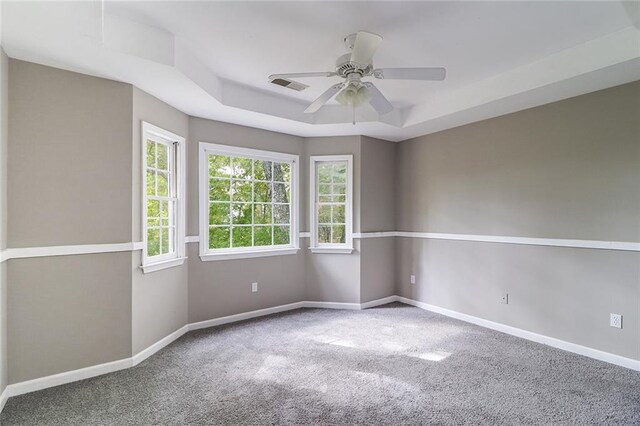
pixel 333 250
pixel 158 266
pixel 248 254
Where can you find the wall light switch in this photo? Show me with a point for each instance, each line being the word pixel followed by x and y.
pixel 413 279
pixel 615 320
pixel 254 287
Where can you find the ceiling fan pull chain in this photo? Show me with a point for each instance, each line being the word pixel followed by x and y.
pixel 354 113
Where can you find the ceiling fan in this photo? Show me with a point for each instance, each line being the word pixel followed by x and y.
pixel 353 67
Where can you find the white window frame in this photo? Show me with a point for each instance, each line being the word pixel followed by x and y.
pixel 157 134
pixel 347 246
pixel 206 254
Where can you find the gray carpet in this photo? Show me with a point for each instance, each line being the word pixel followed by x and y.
pixel 389 365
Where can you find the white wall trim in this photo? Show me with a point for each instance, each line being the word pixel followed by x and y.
pixel 27 252
pixel 591 244
pixel 528 335
pixel 110 367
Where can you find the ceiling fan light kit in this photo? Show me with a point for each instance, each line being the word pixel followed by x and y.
pixel 357 65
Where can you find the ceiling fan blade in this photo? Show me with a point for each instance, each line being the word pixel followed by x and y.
pixel 378 101
pixel 324 98
pixel 432 74
pixel 302 75
pixel 364 46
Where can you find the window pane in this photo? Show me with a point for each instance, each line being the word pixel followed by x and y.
pixel 164 209
pixel 281 192
pixel 151 182
pixel 219 237
pixel 325 198
pixel 324 214
pixel 164 240
pixel 281 235
pixel 163 155
pixel 262 213
pixel 241 190
pixel 151 153
pixel 241 213
pixel 241 236
pixel 262 192
pixel 324 189
pixel 219 165
pixel 338 214
pixel 219 189
pixel 339 188
pixel 340 172
pixel 163 184
pixel 241 168
pixel 281 213
pixel 262 170
pixel 282 172
pixel 324 234
pixel 219 213
pixel 263 235
pixel 153 208
pixel 337 235
pixel 153 242
pixel 339 198
pixel 324 173
pixel 153 222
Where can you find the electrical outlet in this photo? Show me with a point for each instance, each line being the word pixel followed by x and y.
pixel 504 299
pixel 254 287
pixel 412 279
pixel 615 320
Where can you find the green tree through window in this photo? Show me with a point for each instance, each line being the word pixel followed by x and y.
pixel 249 202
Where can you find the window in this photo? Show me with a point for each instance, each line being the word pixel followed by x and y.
pixel 162 201
pixel 331 189
pixel 248 202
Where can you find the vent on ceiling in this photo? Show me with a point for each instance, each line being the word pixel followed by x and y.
pixel 289 84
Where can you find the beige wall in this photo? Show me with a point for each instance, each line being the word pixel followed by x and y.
pixel 219 288
pixel 4 86
pixel 69 182
pixel 159 299
pixel 568 170
pixel 70 148
pixel 68 312
pixel 335 277
pixel 378 204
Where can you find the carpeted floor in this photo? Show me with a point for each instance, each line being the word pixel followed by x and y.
pixel 389 365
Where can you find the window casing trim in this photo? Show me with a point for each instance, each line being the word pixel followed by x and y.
pixel 204 150
pixel 159 135
pixel 314 246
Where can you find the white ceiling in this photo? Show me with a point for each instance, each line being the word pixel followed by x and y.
pixel 212 59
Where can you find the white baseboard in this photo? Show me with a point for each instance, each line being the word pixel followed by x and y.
pixel 528 335
pixel 165 341
pixel 3 399
pixel 245 316
pixel 110 367
pixel 66 377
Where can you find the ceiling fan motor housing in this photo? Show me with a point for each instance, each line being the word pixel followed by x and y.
pixel 344 67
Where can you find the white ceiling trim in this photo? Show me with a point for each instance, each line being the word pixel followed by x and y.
pixel 158 62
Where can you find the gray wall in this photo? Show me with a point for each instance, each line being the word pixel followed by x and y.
pixel 220 288
pixel 4 86
pixel 70 148
pixel 335 277
pixel 564 170
pixel 378 203
pixel 69 182
pixel 159 299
